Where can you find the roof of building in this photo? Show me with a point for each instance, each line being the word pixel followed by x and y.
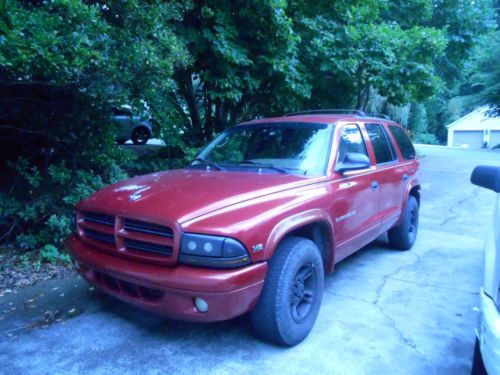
pixel 476 120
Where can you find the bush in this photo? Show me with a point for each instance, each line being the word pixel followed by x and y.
pixel 426 138
pixel 63 66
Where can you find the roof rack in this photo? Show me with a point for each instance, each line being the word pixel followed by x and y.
pixel 328 112
pixel 379 115
pixel 338 112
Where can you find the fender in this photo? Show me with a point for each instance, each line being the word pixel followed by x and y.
pixel 414 182
pixel 296 221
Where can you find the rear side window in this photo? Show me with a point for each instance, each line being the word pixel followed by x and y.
pixel 404 143
pixel 383 151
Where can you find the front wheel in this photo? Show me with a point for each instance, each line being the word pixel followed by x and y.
pixel 291 296
pixel 403 236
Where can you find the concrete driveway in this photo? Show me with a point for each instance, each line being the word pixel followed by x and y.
pixel 383 311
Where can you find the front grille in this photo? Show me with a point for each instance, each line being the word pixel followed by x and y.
pixel 96 218
pixel 148 228
pixel 134 239
pixel 148 247
pixel 99 236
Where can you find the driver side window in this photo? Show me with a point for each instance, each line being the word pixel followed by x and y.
pixel 351 141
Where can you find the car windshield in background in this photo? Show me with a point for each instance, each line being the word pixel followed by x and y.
pixel 298 148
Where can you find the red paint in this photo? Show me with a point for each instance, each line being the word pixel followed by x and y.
pixel 250 207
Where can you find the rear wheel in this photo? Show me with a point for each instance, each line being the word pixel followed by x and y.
pixel 140 135
pixel 291 297
pixel 403 236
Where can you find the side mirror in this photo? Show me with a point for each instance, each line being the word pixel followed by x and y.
pixel 353 161
pixel 487 177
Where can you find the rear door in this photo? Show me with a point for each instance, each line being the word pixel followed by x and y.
pixel 409 162
pixel 389 173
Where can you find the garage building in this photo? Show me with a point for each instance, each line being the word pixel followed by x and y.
pixel 475 130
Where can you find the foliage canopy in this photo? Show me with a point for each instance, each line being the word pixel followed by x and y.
pixel 197 67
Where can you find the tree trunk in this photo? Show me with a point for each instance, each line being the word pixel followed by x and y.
pixel 186 87
pixel 208 129
pixel 219 125
pixel 359 87
pixel 366 95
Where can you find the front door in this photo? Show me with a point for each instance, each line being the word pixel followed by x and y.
pixel 354 196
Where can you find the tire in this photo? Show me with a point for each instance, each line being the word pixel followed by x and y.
pixel 403 236
pixel 291 297
pixel 140 135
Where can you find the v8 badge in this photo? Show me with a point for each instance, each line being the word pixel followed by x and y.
pixel 257 248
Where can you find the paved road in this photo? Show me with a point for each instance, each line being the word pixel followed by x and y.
pixel 383 311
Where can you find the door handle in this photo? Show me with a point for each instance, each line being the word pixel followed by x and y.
pixel 405 177
pixel 374 185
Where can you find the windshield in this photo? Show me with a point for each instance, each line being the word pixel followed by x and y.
pixel 300 148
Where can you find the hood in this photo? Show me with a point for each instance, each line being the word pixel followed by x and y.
pixel 185 194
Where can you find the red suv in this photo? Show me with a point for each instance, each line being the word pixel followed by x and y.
pixel 254 223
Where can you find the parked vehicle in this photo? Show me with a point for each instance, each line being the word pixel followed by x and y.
pixel 487 348
pixel 131 126
pixel 254 223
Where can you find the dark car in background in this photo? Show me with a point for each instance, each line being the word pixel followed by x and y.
pixel 131 126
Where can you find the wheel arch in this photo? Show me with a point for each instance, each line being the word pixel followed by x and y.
pixel 414 192
pixel 314 225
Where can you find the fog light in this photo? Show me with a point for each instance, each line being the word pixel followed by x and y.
pixel 201 304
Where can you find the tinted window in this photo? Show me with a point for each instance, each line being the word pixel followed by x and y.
pixel 404 143
pixel 122 112
pixel 351 140
pixel 301 148
pixel 380 143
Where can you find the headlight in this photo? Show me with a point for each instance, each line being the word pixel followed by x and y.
pixel 212 251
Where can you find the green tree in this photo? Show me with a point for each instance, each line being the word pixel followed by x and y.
pixel 483 83
pixel 63 66
pixel 243 63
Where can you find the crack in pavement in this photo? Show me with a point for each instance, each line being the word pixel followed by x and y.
pixel 434 286
pixel 349 297
pixel 376 303
pixel 452 211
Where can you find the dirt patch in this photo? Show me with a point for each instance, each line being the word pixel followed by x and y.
pixel 19 269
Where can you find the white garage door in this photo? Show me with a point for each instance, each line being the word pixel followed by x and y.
pixel 494 138
pixel 474 139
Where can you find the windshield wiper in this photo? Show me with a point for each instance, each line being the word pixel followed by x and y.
pixel 210 163
pixel 263 165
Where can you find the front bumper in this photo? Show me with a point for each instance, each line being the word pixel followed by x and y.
pixel 489 334
pixel 170 291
